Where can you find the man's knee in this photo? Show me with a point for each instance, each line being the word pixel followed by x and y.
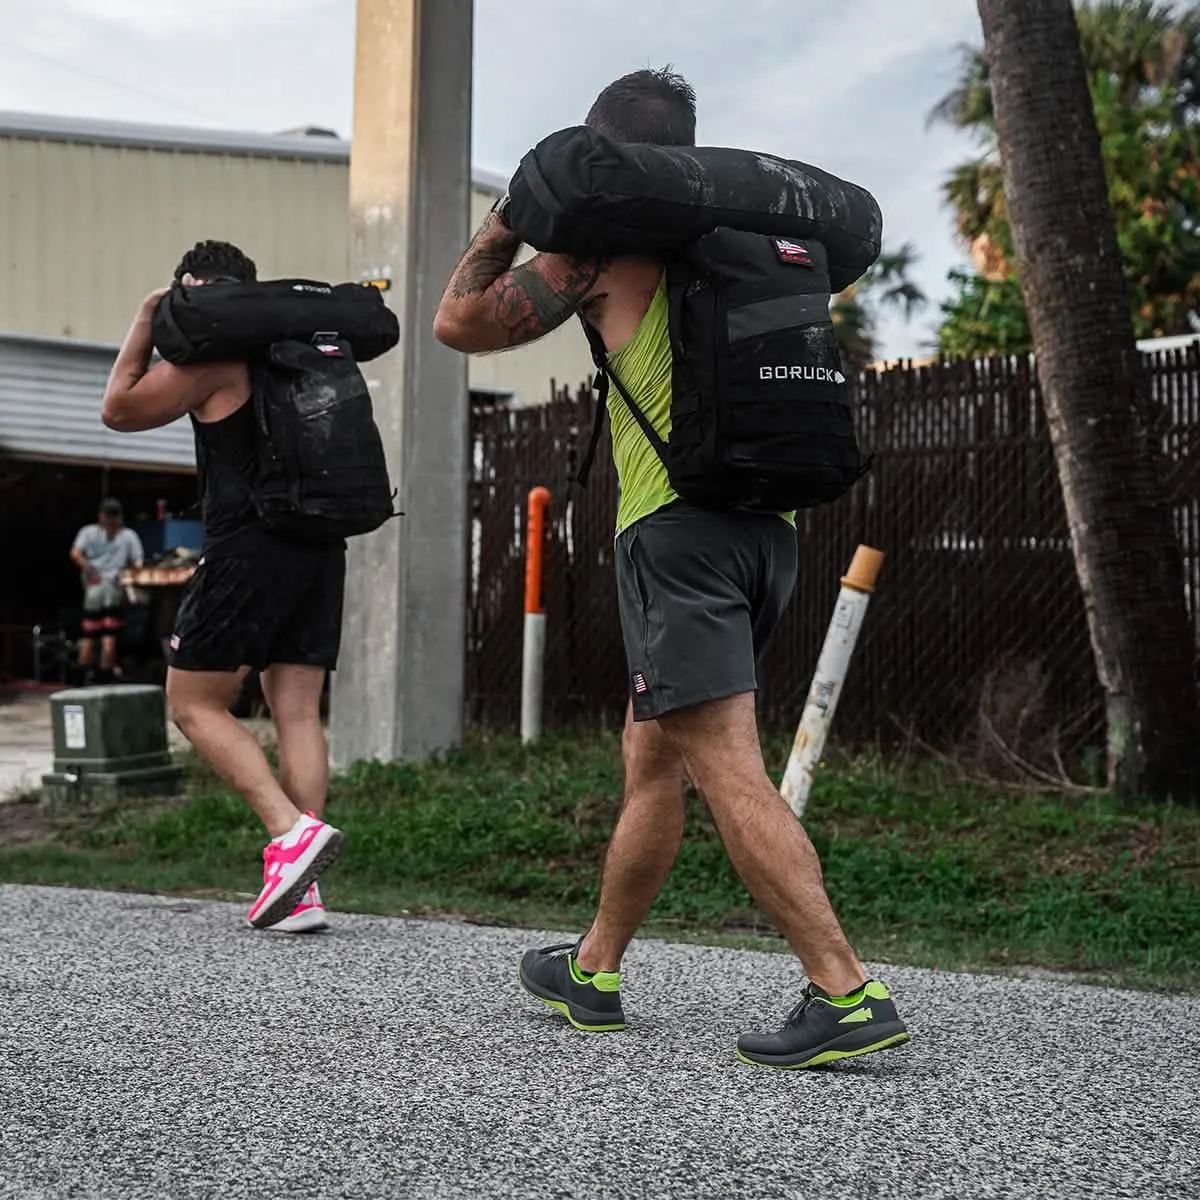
pixel 292 710
pixel 650 758
pixel 294 694
pixel 181 708
pixel 188 704
pixel 719 745
pixel 184 715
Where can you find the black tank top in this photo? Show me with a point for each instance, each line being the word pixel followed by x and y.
pixel 226 461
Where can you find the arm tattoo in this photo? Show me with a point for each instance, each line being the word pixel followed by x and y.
pixel 540 295
pixel 489 255
pixel 527 301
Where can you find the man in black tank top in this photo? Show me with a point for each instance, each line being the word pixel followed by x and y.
pixel 256 600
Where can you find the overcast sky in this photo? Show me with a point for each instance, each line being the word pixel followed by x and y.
pixel 844 85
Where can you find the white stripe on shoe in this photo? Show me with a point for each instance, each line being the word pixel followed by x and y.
pixel 309 916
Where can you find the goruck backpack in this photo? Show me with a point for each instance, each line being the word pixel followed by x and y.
pixel 761 417
pixel 322 474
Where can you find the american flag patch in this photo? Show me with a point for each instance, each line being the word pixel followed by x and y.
pixel 639 683
pixel 792 252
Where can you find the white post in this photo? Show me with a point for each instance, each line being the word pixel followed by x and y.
pixel 534 647
pixel 857 585
pixel 532 653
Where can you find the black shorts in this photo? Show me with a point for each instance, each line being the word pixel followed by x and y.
pixel 271 601
pixel 102 620
pixel 700 593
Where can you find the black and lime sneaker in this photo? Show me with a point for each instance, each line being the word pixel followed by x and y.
pixel 590 1002
pixel 825 1029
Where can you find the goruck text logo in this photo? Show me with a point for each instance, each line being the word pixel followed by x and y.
pixel 785 373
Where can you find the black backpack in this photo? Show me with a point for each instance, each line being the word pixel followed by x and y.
pixel 322 474
pixel 761 417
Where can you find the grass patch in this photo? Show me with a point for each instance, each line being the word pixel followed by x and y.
pixel 922 870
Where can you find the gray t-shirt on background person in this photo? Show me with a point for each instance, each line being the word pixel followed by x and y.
pixel 108 557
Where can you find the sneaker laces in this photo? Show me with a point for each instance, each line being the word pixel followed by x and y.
pixel 811 993
pixel 271 853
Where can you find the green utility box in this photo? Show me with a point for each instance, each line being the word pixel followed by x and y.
pixel 110 745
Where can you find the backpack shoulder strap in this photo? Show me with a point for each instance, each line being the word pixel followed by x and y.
pixel 260 377
pixel 606 373
pixel 599 357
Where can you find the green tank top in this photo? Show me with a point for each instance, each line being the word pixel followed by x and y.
pixel 643 365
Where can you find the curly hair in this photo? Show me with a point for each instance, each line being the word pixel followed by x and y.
pixel 647 106
pixel 216 260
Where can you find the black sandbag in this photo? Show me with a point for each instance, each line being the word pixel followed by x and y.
pixel 238 322
pixel 578 192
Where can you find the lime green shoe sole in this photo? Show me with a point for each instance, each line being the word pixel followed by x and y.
pixel 827 1056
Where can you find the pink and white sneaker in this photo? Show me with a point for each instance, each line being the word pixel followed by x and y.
pixel 290 864
pixel 309 916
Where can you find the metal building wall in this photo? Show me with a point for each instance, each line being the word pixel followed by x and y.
pixel 50 396
pixel 93 228
pixel 93 215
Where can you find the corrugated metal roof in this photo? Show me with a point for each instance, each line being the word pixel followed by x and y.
pixel 50 393
pixel 44 127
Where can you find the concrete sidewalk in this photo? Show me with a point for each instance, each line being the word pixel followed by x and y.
pixel 26 752
pixel 25 748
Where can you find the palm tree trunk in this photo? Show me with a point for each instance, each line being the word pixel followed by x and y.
pixel 1126 551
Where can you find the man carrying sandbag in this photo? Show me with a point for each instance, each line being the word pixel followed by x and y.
pixel 268 588
pixel 728 411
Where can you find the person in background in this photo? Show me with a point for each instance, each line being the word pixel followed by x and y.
pixel 255 600
pixel 101 552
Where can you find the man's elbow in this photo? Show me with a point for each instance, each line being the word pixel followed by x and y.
pixel 113 417
pixel 451 330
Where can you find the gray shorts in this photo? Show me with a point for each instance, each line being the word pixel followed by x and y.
pixel 700 593
pixel 103 597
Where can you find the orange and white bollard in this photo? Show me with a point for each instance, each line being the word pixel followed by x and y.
pixel 534 647
pixel 857 585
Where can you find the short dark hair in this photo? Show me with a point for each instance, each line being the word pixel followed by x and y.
pixel 111 508
pixel 647 106
pixel 216 260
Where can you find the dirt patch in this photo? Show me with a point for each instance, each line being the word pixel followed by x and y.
pixel 24 822
pixel 1142 844
pixel 595 814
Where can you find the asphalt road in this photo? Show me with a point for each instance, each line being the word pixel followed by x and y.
pixel 159 1048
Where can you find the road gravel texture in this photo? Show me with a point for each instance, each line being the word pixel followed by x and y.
pixel 159 1048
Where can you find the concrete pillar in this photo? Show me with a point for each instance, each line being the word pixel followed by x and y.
pixel 398 690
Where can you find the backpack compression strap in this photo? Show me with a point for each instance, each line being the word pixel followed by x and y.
pixel 600 358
